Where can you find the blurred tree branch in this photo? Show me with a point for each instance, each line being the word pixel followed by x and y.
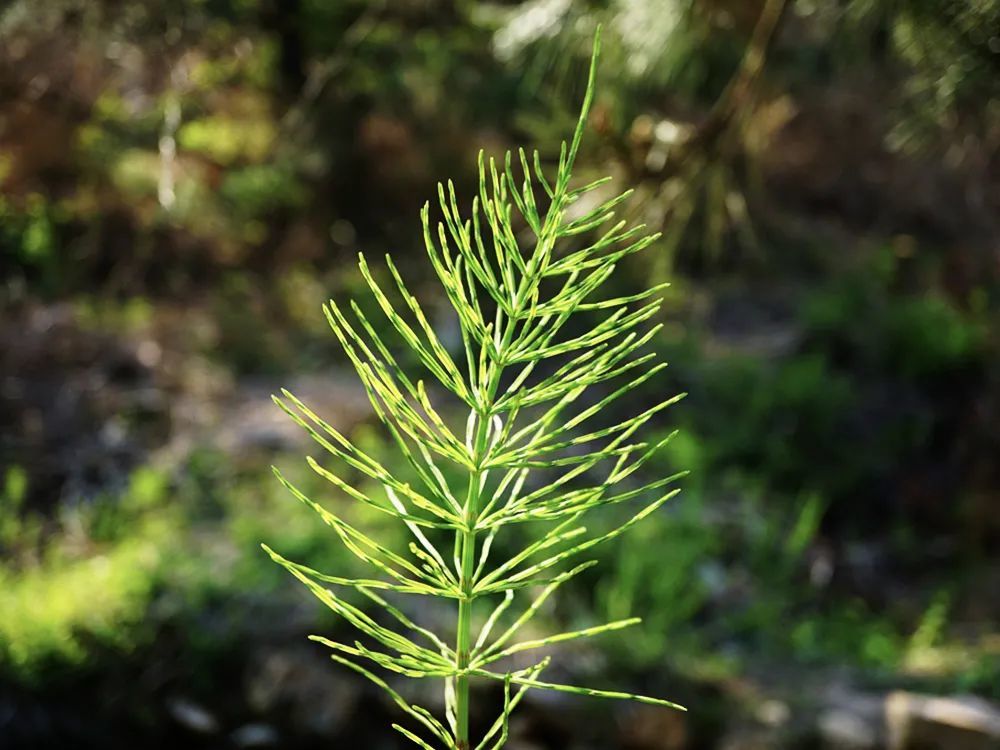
pixel 708 172
pixel 738 97
pixel 727 116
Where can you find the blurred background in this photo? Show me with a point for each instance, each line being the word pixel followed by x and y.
pixel 184 182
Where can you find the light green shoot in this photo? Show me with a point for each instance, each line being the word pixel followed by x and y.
pixel 528 455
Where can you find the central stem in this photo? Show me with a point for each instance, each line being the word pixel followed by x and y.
pixel 464 643
pixel 467 541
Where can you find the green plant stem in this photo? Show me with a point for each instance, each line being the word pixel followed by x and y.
pixel 467 540
pixel 467 537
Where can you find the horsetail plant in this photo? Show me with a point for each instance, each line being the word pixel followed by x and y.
pixel 520 381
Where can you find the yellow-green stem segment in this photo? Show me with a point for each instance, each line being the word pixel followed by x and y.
pixel 466 539
pixel 467 542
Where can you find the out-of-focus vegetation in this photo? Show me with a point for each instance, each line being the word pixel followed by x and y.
pixel 183 183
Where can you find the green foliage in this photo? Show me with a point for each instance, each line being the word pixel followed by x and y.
pixel 53 611
pixel 850 633
pixel 662 580
pixel 927 336
pixel 916 336
pixel 125 317
pixel 107 573
pixel 28 236
pixel 779 420
pixel 951 48
pixel 258 189
pixel 943 55
pixel 249 507
pixel 817 418
pixel 524 452
pixel 15 530
pixel 87 586
pixel 227 140
pixel 739 580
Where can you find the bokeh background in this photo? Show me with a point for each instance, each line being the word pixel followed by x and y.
pixel 184 182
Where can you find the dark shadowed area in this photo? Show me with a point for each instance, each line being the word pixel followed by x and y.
pixel 184 183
